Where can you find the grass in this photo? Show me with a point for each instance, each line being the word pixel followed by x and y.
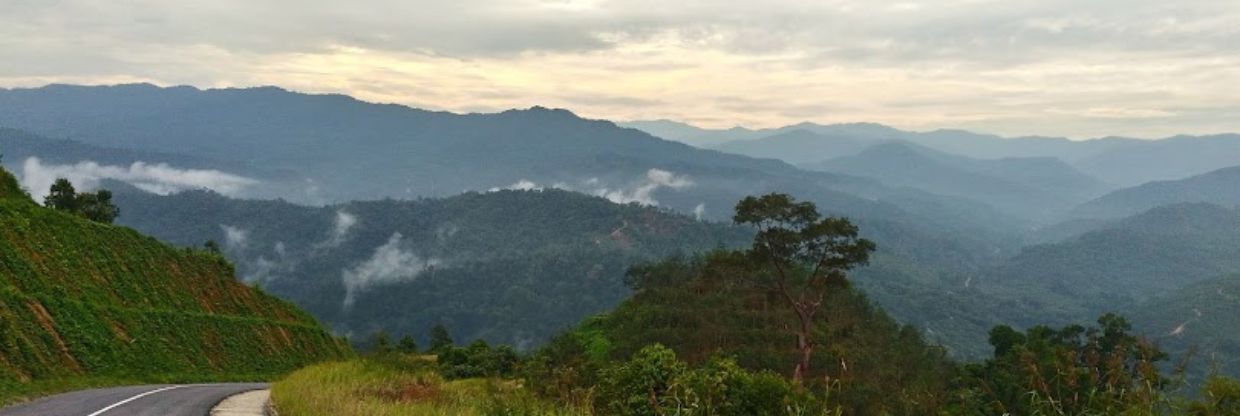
pixel 397 384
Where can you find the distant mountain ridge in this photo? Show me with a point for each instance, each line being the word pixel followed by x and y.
pixel 1117 160
pixel 1028 187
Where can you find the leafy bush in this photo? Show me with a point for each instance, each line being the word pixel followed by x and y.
pixel 654 382
pixel 477 360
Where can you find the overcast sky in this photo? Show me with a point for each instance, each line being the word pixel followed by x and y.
pixel 1078 68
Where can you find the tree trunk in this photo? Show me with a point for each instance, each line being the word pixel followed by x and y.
pixel 805 347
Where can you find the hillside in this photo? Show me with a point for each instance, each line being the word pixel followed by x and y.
pixel 1201 316
pixel 85 300
pixel 1163 249
pixel 506 266
pixel 1027 187
pixel 701 307
pixel 1165 159
pixel 1217 187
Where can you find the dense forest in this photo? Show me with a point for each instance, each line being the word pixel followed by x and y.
pixel 513 267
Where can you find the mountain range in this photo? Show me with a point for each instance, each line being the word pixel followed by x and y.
pixel 510 226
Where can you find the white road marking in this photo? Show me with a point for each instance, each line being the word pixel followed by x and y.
pixel 139 396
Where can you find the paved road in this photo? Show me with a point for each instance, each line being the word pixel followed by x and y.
pixel 154 400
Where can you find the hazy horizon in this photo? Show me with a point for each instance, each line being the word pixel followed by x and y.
pixel 1057 68
pixel 629 122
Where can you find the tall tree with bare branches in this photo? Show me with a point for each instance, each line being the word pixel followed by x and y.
pixel 808 255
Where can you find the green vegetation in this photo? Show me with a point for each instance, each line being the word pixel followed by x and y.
pixel 84 303
pixel 1075 370
pixel 510 267
pixel 402 384
pixel 716 334
pixel 95 206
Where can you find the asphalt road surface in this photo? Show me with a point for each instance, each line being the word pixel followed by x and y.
pixel 153 400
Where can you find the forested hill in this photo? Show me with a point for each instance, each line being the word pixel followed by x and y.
pixel 1159 250
pixel 1216 187
pixel 85 300
pixel 505 266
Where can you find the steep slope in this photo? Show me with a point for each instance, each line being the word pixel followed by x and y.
pixel 9 188
pixel 1160 250
pixel 81 299
pixel 1217 187
pixel 1028 187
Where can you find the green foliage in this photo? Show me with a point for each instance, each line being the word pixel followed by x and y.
pixel 655 382
pixel 407 345
pixel 95 206
pixel 1073 370
pixel 9 187
pixel 701 306
pixel 807 256
pixel 79 299
pixel 440 338
pixel 1221 397
pixel 513 267
pixel 477 360
pixel 381 342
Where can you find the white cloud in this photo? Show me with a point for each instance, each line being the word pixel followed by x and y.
pixel 235 238
pixel 344 222
pixel 521 185
pixel 389 263
pixel 643 192
pixel 991 65
pixel 156 178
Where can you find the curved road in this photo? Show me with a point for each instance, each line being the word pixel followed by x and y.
pixel 153 400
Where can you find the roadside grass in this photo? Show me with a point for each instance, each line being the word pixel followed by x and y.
pixel 400 384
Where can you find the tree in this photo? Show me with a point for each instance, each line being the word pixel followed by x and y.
pixel 440 338
pixel 808 255
pixel 212 247
pixel 1072 370
pixel 95 206
pixel 407 345
pixel 381 342
pixel 98 206
pixel 62 196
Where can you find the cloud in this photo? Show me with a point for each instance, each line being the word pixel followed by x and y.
pixel 235 238
pixel 521 185
pixel 643 192
pixel 389 263
pixel 344 222
pixel 699 211
pixel 157 178
pixel 988 65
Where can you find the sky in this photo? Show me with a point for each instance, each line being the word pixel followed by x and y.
pixel 1139 68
